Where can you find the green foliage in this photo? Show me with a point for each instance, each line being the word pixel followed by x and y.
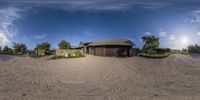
pixel 162 50
pixel 154 55
pixel 19 48
pixel 81 43
pixel 42 49
pixel 78 54
pixel 64 45
pixel 7 50
pixel 43 46
pixel 58 57
pixel 150 43
pixel 194 49
pixel 0 49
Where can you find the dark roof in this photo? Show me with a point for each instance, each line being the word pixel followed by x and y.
pixel 76 47
pixel 119 41
pixel 85 43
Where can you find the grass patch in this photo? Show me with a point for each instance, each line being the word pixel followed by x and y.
pixel 154 55
pixel 58 57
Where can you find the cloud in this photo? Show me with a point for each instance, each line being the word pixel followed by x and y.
pixel 195 19
pixel 198 33
pixel 40 36
pixel 3 39
pixel 163 34
pixel 90 5
pixel 172 37
pixel 147 33
pixel 7 16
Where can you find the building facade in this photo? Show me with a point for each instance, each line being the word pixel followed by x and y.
pixel 109 47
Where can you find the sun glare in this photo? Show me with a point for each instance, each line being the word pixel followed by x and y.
pixel 184 40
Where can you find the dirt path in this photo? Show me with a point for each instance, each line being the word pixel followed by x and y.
pixel 100 78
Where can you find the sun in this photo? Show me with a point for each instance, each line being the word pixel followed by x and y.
pixel 184 40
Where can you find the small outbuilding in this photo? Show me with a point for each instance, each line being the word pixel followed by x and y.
pixel 109 47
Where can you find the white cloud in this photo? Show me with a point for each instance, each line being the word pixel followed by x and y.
pixel 163 34
pixel 91 5
pixel 195 17
pixel 198 33
pixel 172 37
pixel 40 36
pixel 7 17
pixel 3 39
pixel 147 33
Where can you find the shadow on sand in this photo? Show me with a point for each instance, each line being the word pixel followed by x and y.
pixel 5 57
pixel 197 56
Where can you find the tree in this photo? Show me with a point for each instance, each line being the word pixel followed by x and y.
pixel 81 43
pixel 19 48
pixel 7 49
pixel 194 48
pixel 0 49
pixel 64 45
pixel 150 43
pixel 162 50
pixel 44 46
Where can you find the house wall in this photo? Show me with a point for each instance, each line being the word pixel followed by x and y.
pixel 40 52
pixel 66 53
pixel 91 50
pixel 135 51
pixel 100 51
pixel 61 52
pixel 111 51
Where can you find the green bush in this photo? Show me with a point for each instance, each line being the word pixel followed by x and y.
pixel 58 57
pixel 78 54
pixel 154 55
pixel 162 50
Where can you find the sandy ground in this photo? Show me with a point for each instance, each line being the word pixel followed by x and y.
pixel 100 78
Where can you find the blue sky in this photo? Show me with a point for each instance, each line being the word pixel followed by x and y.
pixel 176 22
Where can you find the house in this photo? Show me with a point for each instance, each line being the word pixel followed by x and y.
pixel 108 47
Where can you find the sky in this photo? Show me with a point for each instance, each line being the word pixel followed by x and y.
pixel 176 22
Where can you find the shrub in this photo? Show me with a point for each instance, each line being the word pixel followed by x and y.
pixel 78 54
pixel 58 57
pixel 163 50
pixel 154 55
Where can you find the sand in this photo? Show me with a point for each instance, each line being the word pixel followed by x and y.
pixel 176 77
